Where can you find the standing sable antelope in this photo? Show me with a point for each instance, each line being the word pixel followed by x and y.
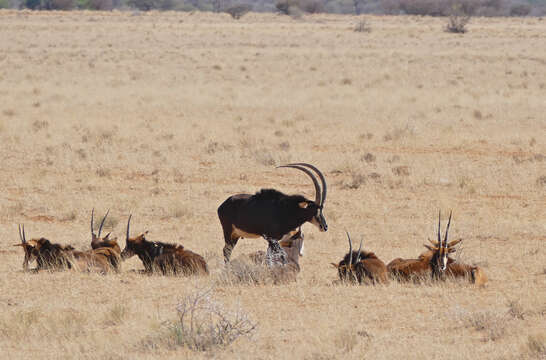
pixel 361 266
pixel 270 213
pixel 167 258
pixel 105 247
pixel 437 263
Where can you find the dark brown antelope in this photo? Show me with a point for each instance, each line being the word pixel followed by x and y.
pixel 28 247
pixel 270 213
pixel 163 257
pixel 362 266
pixel 105 247
pixel 50 256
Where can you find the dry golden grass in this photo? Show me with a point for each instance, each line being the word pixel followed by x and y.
pixel 165 115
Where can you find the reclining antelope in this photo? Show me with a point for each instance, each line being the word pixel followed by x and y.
pixel 436 263
pixel 163 257
pixel 51 256
pixel 282 256
pixel 361 266
pixel 105 247
pixel 270 213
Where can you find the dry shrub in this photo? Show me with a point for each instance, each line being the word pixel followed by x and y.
pixel 541 180
pixel 515 310
pixel 520 10
pixel 245 271
pixel 535 348
pixel 237 11
pixel 203 324
pixel 491 324
pixel 295 7
pixel 356 181
pixel 116 315
pixel 346 340
pixel 101 4
pixel 62 4
pixel 457 20
pixel 401 170
pixel 363 26
pixel 311 6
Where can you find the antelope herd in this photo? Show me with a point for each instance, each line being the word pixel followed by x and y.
pixel 269 214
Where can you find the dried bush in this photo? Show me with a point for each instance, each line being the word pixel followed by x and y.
pixel 311 6
pixel 363 26
pixel 491 324
pixel 244 270
pixel 237 11
pixel 147 5
pixel 520 10
pixel 284 6
pixel 204 324
pixel 536 347
pixel 457 21
pixel 515 310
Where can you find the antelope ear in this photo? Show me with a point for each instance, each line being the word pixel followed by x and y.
pixel 146 232
pixel 431 248
pixel 335 265
pixel 106 237
pixel 303 204
pixel 451 250
pixel 454 242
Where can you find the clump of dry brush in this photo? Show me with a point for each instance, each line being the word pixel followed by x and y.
pixel 203 324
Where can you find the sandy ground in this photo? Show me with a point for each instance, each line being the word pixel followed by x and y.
pixel 164 115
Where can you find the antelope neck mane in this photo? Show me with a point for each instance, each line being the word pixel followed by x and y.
pixel 363 255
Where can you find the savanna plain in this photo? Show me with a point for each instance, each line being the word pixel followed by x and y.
pixel 164 115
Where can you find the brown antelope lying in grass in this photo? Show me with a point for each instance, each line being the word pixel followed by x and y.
pixel 436 263
pixel 158 256
pixel 361 266
pixel 50 256
pixel 105 247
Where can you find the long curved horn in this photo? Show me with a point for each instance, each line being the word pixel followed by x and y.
pixel 439 237
pixel 128 222
pixel 322 179
pixel 350 250
pixel 22 234
pixel 359 248
pixel 92 214
pixel 447 229
pixel 315 182
pixel 102 222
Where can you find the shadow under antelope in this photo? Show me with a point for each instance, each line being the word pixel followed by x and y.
pixel 163 257
pixel 361 266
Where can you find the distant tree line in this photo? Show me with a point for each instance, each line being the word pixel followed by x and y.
pixel 238 8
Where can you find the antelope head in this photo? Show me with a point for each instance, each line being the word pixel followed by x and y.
pixel 28 247
pixel 347 267
pixel 441 249
pixel 313 207
pixel 132 245
pixel 96 240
